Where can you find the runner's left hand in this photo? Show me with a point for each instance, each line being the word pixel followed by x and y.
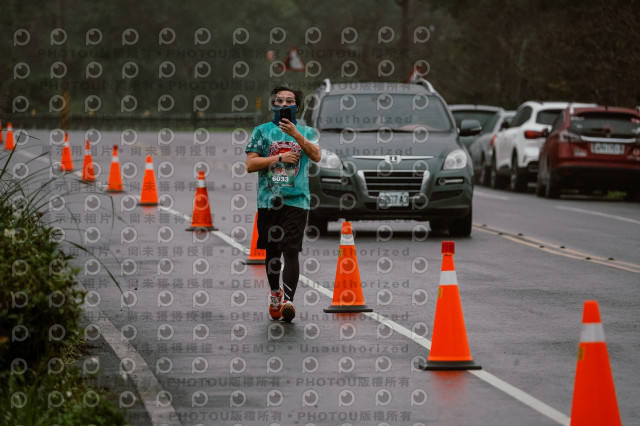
pixel 288 127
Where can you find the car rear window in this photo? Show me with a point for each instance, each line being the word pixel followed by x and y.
pixel 601 124
pixel 547 116
pixel 481 116
pixel 366 112
pixel 490 124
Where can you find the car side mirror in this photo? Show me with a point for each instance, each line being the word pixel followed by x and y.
pixel 470 127
pixel 545 132
pixel 504 125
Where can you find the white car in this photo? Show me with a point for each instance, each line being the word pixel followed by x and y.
pixel 517 148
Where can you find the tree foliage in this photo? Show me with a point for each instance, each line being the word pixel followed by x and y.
pixel 478 51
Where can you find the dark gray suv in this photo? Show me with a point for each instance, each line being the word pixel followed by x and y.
pixel 389 151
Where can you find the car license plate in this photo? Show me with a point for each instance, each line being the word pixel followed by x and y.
pixel 393 199
pixel 607 148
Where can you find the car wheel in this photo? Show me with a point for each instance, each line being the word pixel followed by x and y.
pixel 461 227
pixel 485 173
pixel 438 225
pixel 552 190
pixel 585 190
pixel 497 181
pixel 517 180
pixel 540 188
pixel 319 223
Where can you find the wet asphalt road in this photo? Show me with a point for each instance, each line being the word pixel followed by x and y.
pixel 198 317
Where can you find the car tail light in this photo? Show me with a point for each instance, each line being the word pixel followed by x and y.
pixel 532 134
pixel 566 136
pixel 493 139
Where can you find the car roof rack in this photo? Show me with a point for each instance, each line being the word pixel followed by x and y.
pixel 423 82
pixel 327 85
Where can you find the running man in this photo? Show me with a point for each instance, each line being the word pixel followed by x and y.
pixel 280 151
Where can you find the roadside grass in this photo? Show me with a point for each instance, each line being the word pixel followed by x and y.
pixel 40 306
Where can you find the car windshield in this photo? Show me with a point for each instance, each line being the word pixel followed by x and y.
pixel 370 112
pixel 483 117
pixel 548 116
pixel 611 124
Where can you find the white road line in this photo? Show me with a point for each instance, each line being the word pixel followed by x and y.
pixel 488 195
pixel 523 397
pixel 594 213
pixel 489 378
pixel 150 391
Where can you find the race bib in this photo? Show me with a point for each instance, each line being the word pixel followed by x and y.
pixel 283 175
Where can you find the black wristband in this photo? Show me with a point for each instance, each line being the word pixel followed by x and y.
pixel 280 158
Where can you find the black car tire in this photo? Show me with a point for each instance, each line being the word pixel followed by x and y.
pixel 319 223
pixel 461 227
pixel 552 189
pixel 438 225
pixel 517 179
pixel 485 173
pixel 540 188
pixel 497 181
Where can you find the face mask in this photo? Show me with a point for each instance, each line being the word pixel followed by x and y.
pixel 276 113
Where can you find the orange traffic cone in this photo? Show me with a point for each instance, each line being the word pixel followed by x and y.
pixel 149 196
pixel 10 142
pixel 115 179
pixel 347 292
pixel 88 172
pixel 256 256
pixel 594 395
pixel 66 163
pixel 449 346
pixel 201 218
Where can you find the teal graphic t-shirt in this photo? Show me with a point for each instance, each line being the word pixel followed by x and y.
pixel 287 180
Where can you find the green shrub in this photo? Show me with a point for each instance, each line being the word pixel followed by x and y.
pixel 40 305
pixel 56 394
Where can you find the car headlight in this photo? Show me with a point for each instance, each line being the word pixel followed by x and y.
pixel 456 159
pixel 329 160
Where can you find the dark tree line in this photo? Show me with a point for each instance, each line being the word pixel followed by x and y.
pixel 475 51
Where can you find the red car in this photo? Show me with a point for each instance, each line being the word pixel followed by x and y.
pixel 591 148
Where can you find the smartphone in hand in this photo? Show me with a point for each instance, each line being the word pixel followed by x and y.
pixel 285 113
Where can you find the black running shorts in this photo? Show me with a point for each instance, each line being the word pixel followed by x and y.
pixel 282 228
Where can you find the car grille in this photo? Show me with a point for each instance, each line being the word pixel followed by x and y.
pixel 397 180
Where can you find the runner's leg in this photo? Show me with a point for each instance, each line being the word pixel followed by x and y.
pixel 273 266
pixel 290 274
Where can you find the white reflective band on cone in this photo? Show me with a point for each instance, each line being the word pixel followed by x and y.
pixel 346 240
pixel 115 159
pixel 592 332
pixel 148 166
pixel 448 278
pixel 201 183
